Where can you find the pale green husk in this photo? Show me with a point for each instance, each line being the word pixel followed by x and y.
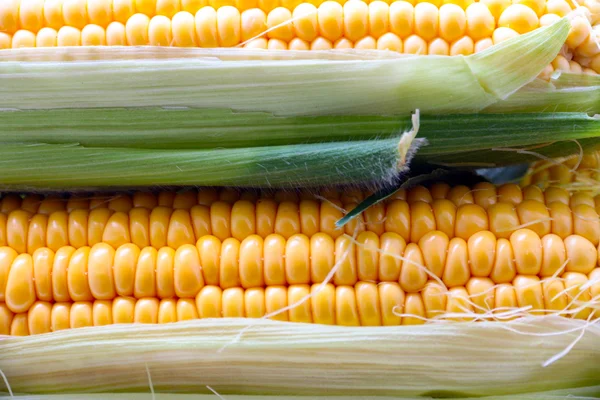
pixel 239 356
pixel 565 93
pixel 584 393
pixel 302 85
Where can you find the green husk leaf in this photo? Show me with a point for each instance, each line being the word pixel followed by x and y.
pixel 305 86
pixel 567 93
pixel 238 356
pixel 48 166
pixel 211 128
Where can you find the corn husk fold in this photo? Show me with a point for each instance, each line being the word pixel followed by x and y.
pixel 263 357
pixel 304 85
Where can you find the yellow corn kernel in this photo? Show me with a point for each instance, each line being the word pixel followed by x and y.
pixel 143 199
pixel 445 216
pixel 60 279
pixel 100 12
pixel 402 18
pixel 586 223
pixel 7 256
pixel 116 230
pixel 209 249
pixel 300 310
pixel 159 31
pixel 496 7
pixel 422 220
pixel 19 326
pixel 200 216
pixel 309 216
pixel 254 302
pixel 186 310
pixel 243 220
pixel 228 26
pixel 124 271
pixel 480 21
pixel 413 275
pixel 116 34
pixel 503 219
pixel 97 221
pixel 389 41
pixel 36 234
pixel 470 219
pixel 345 306
pixel 426 20
pixel 434 299
pixel 460 195
pixel 459 304
pixel 557 194
pixel 68 36
pixel 77 276
pixel 535 216
pixel 519 17
pixel 481 249
pixel 390 262
pixel 330 213
pixel 180 231
pixel 398 219
pixel 81 314
pixel 124 310
pixel 39 318
pixel 9 16
pixel 330 18
pixel 165 285
pixel 220 220
pixel 582 255
pixel 159 226
pixel 57 234
pixel 578 297
pixel 30 15
pixel 17 227
pixel 456 270
pixel 167 311
pixel 413 306
pixel 453 22
pixel 481 294
pixel 167 8
pixel 100 272
pixel 323 304
pixel 483 44
pixel 555 298
pixel 145 273
pixel 6 41
pixel 75 13
pixel 266 212
pixel 188 279
pixel 562 219
pixel 209 302
pixel 102 313
pixel 183 29
pixel 463 46
pixel 146 311
pixel 528 290
pixel 554 255
pixel 229 264
pixel 369 307
pixel 378 18
pixel 93 35
pixel 287 220
pixel 367 256
pixel 276 299
pixel 527 247
pixel 439 47
pixel 136 30
pixel 434 247
pixel 6 317
pixel 419 193
pixel 77 229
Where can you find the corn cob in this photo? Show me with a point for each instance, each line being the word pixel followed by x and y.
pixel 427 251
pixel 174 220
pixel 437 28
